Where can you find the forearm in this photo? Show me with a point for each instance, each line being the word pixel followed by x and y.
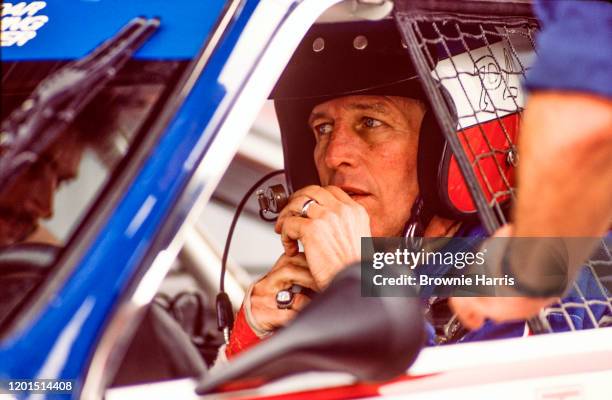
pixel 565 171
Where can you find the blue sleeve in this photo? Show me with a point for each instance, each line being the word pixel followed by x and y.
pixel 430 334
pixel 574 47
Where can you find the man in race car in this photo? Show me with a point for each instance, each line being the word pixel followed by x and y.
pixel 376 154
pixel 30 197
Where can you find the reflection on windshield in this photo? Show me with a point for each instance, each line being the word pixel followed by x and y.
pixel 77 163
pixel 43 203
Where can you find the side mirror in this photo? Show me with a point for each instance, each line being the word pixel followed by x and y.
pixel 373 338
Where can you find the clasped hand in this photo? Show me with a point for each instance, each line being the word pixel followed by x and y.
pixel 330 234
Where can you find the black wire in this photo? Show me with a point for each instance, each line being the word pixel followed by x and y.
pixel 241 205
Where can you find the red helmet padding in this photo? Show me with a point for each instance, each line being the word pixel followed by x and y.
pixel 494 173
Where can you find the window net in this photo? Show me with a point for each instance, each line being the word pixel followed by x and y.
pixel 472 58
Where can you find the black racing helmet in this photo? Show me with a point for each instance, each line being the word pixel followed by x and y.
pixel 366 58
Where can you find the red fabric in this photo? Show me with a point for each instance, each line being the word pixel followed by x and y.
pixel 242 336
pixel 486 146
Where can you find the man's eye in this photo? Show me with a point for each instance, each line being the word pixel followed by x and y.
pixel 371 122
pixel 324 129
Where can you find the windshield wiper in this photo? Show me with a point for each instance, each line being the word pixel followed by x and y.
pixel 58 99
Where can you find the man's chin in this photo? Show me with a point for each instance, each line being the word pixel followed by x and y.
pixel 13 230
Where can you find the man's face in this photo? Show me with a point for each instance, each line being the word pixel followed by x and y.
pixel 367 146
pixel 30 197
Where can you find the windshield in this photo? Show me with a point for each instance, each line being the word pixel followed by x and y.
pixel 44 203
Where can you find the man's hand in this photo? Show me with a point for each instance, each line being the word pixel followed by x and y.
pixel 286 272
pixel 472 311
pixel 330 233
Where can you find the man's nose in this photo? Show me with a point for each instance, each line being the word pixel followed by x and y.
pixel 342 148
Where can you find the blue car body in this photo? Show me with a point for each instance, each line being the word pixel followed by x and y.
pixel 57 337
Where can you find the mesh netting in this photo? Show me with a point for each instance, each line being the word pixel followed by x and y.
pixel 480 61
pixel 589 303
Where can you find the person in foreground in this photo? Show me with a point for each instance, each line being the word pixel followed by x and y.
pixel 568 117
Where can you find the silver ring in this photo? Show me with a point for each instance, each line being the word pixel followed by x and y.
pixel 306 206
pixel 284 299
